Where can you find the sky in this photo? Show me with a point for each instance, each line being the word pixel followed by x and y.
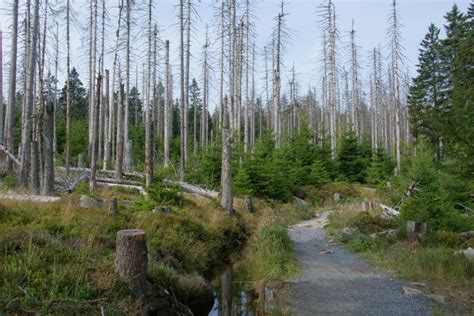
pixel 304 45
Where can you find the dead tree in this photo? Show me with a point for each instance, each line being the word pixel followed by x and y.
pixel 355 84
pixel 27 122
pixel 167 107
pixel 120 136
pixel 149 111
pixel 226 173
pixel 48 145
pixel 128 147
pixel 9 116
pixel 1 88
pixel 182 102
pixel 95 140
pixel 395 80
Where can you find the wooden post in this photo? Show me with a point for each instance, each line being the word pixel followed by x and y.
pixel 248 204
pixel 131 259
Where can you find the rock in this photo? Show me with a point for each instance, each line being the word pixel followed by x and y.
pixel 468 235
pixel 390 233
pixel 468 253
pixel 248 206
pixel 336 197
pixel 349 231
pixel 436 297
pixel 325 252
pixel 409 291
pixel 88 202
pixel 162 209
pixel 300 202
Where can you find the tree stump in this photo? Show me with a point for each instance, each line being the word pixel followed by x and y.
pixel 366 207
pixel 336 197
pixel 162 209
pixel 416 230
pixel 131 260
pixel 113 206
pixel 248 207
pixel 80 161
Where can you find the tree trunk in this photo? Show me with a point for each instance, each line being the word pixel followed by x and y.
pixel 30 76
pixel 95 140
pixel 149 111
pixel 1 87
pixel 131 260
pixel 48 136
pixel 120 138
pixel 9 119
pixel 183 108
pixel 167 109
pixel 127 161
pixel 226 175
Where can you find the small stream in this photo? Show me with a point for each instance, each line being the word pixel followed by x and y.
pixel 229 299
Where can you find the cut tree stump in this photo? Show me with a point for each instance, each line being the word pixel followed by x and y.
pixel 113 206
pixel 416 230
pixel 248 207
pixel 131 260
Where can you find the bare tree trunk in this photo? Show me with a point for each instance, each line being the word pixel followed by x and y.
pixel 221 83
pixel 93 63
pixel 186 77
pixel 9 120
pixel 183 108
pixel 120 137
pixel 68 88
pixel 1 87
pixel 226 175
pixel 30 76
pixel 95 140
pixel 149 111
pixel 109 141
pixel 48 125
pixel 355 83
pixel 167 110
pixel 395 46
pixel 127 154
pixel 103 105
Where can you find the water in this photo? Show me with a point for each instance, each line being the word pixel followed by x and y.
pixel 229 299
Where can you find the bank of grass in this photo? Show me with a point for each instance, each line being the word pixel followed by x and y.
pixel 59 258
pixel 431 262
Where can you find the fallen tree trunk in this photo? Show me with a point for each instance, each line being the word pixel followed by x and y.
pixel 137 175
pixel 193 189
pixel 29 198
pixel 10 155
pixel 124 186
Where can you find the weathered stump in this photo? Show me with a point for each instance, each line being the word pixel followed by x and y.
pixel 80 161
pixel 336 197
pixel 416 230
pixel 248 206
pixel 113 206
pixel 366 207
pixel 131 260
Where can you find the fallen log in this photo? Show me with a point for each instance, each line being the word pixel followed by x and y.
pixel 137 175
pixel 124 186
pixel 389 212
pixel 193 189
pixel 29 198
pixel 10 155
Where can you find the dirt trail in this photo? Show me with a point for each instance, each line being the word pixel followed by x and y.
pixel 334 281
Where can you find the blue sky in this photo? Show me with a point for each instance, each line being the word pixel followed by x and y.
pixel 370 20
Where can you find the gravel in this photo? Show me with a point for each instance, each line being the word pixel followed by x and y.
pixel 333 281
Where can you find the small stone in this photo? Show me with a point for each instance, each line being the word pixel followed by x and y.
pixel 468 253
pixel 162 209
pixel 325 252
pixel 409 291
pixel 436 297
pixel 88 202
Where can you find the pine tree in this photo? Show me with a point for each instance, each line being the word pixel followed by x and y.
pixel 350 161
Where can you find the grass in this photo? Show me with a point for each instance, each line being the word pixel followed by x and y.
pixel 431 262
pixel 58 258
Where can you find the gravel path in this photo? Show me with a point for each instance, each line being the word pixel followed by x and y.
pixel 336 282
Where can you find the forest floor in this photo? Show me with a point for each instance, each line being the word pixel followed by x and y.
pixel 335 281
